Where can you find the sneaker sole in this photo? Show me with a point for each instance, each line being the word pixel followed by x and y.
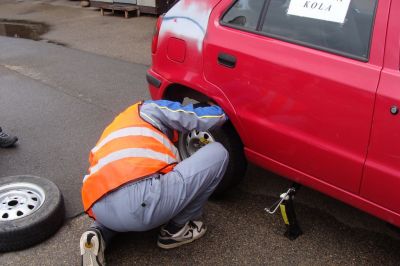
pixel 177 244
pixel 90 260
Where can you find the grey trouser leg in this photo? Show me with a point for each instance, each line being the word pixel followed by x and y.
pixel 201 174
pixel 106 233
pixel 179 195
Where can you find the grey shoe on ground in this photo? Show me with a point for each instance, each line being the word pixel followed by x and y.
pixel 92 248
pixel 6 140
pixel 191 231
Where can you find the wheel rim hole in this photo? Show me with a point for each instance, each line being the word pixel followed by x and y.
pixel 34 198
pixel 19 213
pixel 5 216
pixel 13 203
pixel 31 207
pixel 30 192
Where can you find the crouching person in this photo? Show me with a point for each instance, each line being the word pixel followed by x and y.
pixel 137 182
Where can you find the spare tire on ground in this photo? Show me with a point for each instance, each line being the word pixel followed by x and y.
pixel 31 210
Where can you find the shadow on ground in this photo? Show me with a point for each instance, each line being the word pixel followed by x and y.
pixel 239 232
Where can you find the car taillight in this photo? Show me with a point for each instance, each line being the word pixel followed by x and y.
pixel 155 34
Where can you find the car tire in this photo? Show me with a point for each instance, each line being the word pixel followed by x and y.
pixel 31 210
pixel 236 169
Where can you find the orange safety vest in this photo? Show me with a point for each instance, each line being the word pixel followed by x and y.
pixel 128 150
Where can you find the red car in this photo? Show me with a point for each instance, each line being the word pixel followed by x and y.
pixel 312 89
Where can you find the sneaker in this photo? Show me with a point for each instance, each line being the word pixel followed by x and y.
pixel 92 248
pixel 191 231
pixel 6 140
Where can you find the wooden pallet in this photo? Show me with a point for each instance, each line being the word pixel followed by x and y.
pixel 119 7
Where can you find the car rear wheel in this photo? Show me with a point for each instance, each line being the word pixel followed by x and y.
pixel 190 142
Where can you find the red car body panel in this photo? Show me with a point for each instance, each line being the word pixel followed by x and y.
pixel 382 171
pixel 320 119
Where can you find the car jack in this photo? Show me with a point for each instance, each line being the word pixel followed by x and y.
pixel 285 203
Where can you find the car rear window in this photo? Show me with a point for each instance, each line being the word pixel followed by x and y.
pixel 338 26
pixel 245 14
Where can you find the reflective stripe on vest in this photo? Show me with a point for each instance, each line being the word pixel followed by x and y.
pixel 129 149
pixel 137 131
pixel 129 153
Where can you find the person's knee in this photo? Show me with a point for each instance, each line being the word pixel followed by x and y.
pixel 219 152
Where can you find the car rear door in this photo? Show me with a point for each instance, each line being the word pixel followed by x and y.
pixel 303 87
pixel 382 170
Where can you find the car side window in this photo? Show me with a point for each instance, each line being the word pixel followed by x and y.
pixel 348 32
pixel 244 13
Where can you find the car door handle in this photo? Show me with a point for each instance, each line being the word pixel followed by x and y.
pixel 227 60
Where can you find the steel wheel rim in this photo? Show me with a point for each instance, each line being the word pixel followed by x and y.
pixel 18 200
pixel 193 141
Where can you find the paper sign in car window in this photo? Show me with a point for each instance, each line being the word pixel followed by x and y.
pixel 328 10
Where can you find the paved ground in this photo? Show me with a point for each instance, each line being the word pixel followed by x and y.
pixel 86 29
pixel 58 101
pixel 65 98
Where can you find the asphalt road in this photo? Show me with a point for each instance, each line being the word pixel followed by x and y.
pixel 85 28
pixel 58 100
